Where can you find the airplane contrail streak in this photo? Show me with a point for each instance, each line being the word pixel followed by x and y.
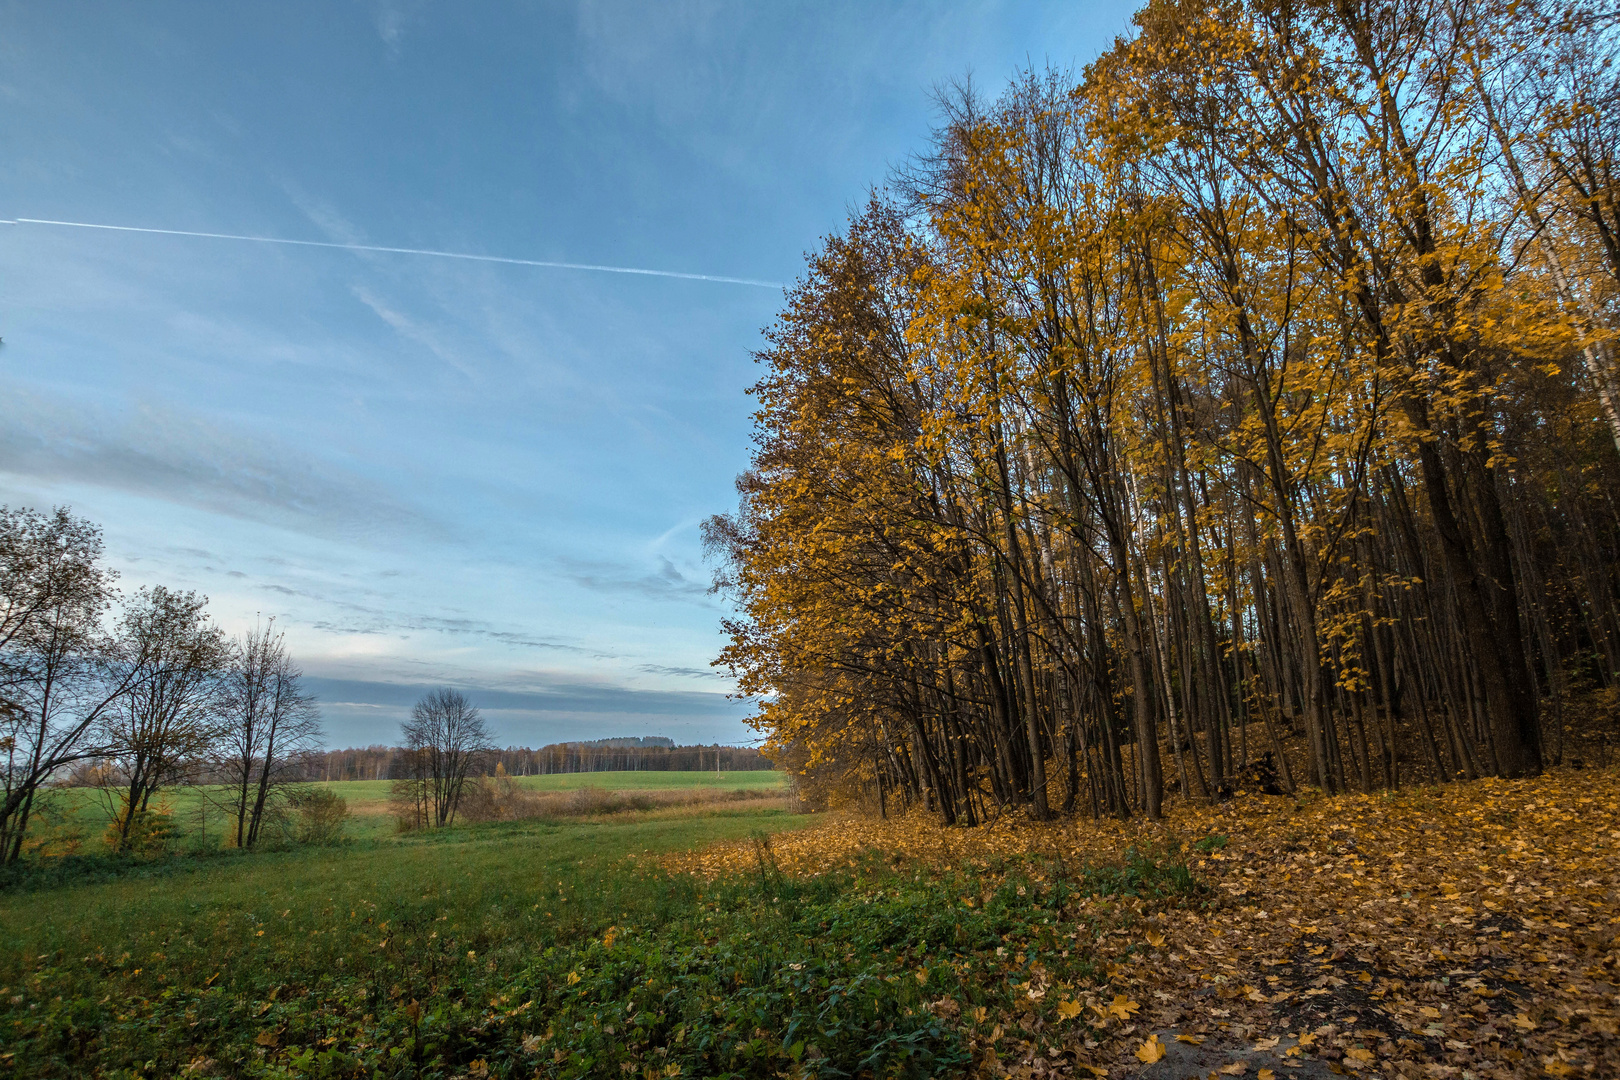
pixel 405 251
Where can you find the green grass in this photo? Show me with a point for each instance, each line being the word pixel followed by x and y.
pixel 535 948
pixel 113 975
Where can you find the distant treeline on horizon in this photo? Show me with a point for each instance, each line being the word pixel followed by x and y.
pixel 650 754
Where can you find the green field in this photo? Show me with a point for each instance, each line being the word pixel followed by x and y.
pixel 367 790
pixel 70 814
pixel 535 948
pixel 120 974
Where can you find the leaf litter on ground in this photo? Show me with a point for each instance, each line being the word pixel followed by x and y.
pixel 1463 930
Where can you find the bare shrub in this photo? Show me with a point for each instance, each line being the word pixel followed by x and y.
pixel 592 800
pixel 317 815
pixel 498 798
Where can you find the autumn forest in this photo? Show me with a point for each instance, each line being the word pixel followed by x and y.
pixel 1241 413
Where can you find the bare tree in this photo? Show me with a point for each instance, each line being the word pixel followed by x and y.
pixel 59 672
pixel 270 722
pixel 167 722
pixel 444 738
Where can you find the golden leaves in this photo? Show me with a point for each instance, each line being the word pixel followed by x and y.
pixel 1068 1010
pixel 1120 1008
pixel 1150 1051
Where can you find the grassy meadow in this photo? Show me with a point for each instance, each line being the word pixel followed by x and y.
pixel 73 819
pixel 554 947
pixel 238 960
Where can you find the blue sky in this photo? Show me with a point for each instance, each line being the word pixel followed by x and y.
pixel 435 471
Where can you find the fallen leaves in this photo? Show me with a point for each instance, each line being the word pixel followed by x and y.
pixel 1150 1051
pixel 1465 927
pixel 1119 1007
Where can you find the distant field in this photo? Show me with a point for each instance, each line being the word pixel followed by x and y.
pixel 612 781
pixel 199 820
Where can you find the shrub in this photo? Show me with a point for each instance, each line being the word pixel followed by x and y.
pixel 150 831
pixel 496 798
pixel 317 815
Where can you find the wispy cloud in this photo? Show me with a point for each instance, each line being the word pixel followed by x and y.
pixel 164 453
pixel 666 583
pixel 538 697
pixel 689 672
pixel 382 621
pixel 393 18
pixel 412 330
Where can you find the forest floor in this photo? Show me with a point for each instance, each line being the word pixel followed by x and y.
pixel 1461 930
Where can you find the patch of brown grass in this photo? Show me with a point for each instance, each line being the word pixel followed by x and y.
pixel 501 799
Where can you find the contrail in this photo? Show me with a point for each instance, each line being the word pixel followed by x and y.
pixel 406 251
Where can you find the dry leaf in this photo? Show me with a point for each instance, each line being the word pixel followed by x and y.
pixel 1068 1010
pixel 1150 1051
pixel 1155 938
pixel 1194 1040
pixel 1119 1007
pixel 1356 1053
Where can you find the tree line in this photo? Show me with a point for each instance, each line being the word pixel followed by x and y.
pixel 1244 405
pixel 134 693
pixel 392 762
